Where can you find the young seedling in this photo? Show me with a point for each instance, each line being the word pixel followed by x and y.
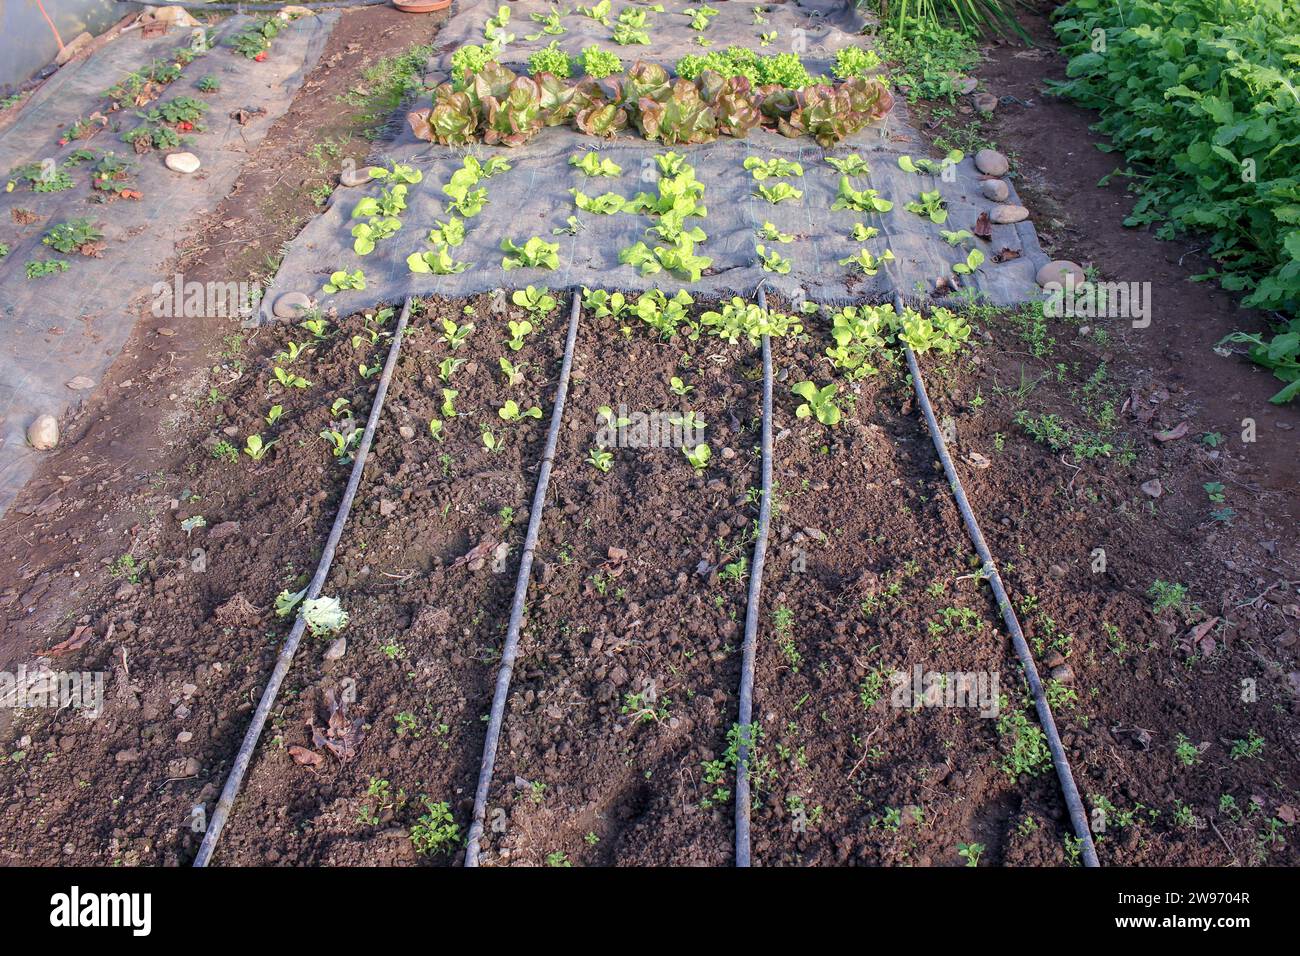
pixel 678 387
pixel 255 448
pixel 606 204
pixel 926 165
pixel 449 402
pixel 435 429
pixel 342 279
pixel 511 412
pixel 970 852
pixel 773 234
pixel 592 164
pixel 863 233
pixel 535 253
pixel 449 233
pixel 439 262
pixel 772 260
pixel 860 200
pixel 850 165
pixel 698 456
pixel 513 373
pixel 931 206
pixel 778 193
pixel 955 238
pixel 289 380
pixel 537 300
pixel 454 334
pixel 517 332
pixel 819 402
pixel 489 440
pixel 274 414
pixel 772 168
pixel 868 263
pixel 600 459
pixel 974 259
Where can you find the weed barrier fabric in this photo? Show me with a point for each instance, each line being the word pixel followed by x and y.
pixel 73 324
pixel 533 198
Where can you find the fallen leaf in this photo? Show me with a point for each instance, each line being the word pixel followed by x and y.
pixel 977 460
pixel 81 383
pixel 983 228
pixel 479 552
pixel 1006 255
pixel 80 637
pixel 1199 639
pixel 305 757
pixel 1172 434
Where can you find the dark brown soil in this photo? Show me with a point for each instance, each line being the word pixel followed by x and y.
pixel 632 584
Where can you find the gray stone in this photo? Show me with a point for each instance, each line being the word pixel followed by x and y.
pixel 1057 270
pixel 289 305
pixel 43 434
pixel 992 163
pixel 1008 214
pixel 996 190
pixel 985 102
pixel 355 177
pixel 182 162
pixel 337 649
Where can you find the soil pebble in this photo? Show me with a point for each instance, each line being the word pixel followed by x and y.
pixel 1153 488
pixel 80 383
pixel 290 304
pixel 182 162
pixel 991 163
pixel 1057 270
pixel 985 102
pixel 996 190
pixel 337 649
pixel 1008 215
pixel 43 434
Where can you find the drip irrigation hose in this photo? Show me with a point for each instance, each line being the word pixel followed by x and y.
pixel 1078 816
pixel 745 734
pixel 510 650
pixel 290 646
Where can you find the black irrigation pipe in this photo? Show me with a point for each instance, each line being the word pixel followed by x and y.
pixel 1078 816
pixel 290 646
pixel 745 732
pixel 510 650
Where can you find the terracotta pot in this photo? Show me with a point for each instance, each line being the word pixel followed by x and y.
pixel 421 6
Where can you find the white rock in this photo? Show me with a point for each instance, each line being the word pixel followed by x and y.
pixel 80 383
pixel 996 190
pixel 1057 270
pixel 182 162
pixel 43 434
pixel 991 163
pixel 1008 214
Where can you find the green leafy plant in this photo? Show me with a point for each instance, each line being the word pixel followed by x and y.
pixel 860 200
pixel 599 459
pixel 535 253
pixel 926 165
pixel 698 456
pixel 550 59
pixel 773 234
pixel 930 205
pixel 365 235
pixel 818 402
pixel 537 300
pixel 511 412
pixel 603 205
pixel 855 61
pixel 438 261
pixel 343 280
pixel 436 831
pixel 974 259
pixel 255 448
pixel 867 262
pixel 778 192
pixel 772 261
pixel 598 63
pixel 43 268
pixel 777 168
pixel 592 164
pixel 72 236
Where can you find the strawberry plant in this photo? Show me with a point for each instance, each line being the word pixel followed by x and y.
pixel 43 268
pixel 818 402
pixel 73 236
pixel 535 253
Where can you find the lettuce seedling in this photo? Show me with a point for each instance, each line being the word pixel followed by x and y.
pixel 449 402
pixel 455 335
pixel 343 279
pixel 324 616
pixel 274 414
pixel 862 232
pixel 289 380
pixel 285 602
pixel 592 164
pixel 931 206
pixel 855 61
pixel 955 238
pixel 435 429
pixel 550 59
pixel 551 25
pixel 449 233
pixel 598 63
pixel 926 165
pixel 944 331
pixel 773 261
pixel 400 173
pixel 604 205
pixel 366 234
pixel 772 168
pixel 868 263
pixel 850 165
pixel 599 12
pixel 860 200
pixel 817 401
pixel 447 367
pixel 514 374
pixel 255 448
pixel 342 442
pixel 318 327
pixel 779 192
pixel 599 459
pixel 489 440
pixel 773 234
pixel 517 332
pixel 486 170
pixel 740 318
pixel 537 300
pixel 535 253
pixel 462 195
pixel 604 304
pixel 439 262
pixel 389 203
pixel 678 387
pixel 698 456
pixel 510 411
pixel 974 259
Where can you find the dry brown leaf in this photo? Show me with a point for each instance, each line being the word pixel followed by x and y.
pixel 79 639
pixel 1172 434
